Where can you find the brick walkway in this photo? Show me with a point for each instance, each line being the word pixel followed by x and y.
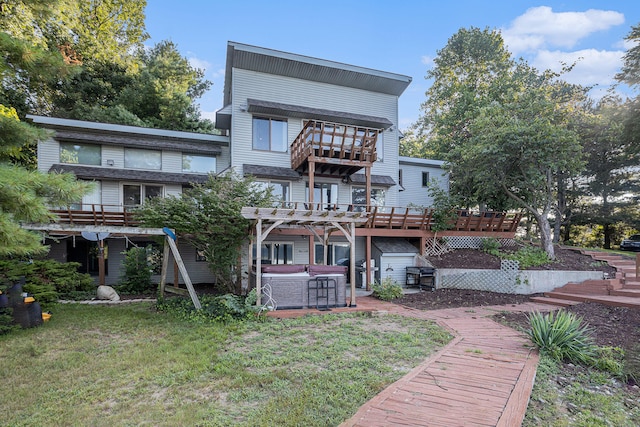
pixel 483 377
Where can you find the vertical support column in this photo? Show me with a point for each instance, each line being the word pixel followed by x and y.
pixel 259 262
pixel 637 266
pixel 165 266
pixel 367 174
pixel 367 253
pixel 101 261
pixel 176 277
pixel 312 183
pixel 352 264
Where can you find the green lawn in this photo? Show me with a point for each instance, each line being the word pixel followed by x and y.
pixel 130 365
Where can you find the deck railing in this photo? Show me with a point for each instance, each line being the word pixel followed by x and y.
pixel 97 214
pixel 327 142
pixel 401 218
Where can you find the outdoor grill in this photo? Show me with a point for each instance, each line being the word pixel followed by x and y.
pixel 422 277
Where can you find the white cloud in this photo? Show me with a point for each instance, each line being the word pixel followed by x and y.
pixel 211 115
pixel 199 63
pixel 427 60
pixel 540 27
pixel 592 67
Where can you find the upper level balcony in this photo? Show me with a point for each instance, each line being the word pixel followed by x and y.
pixel 335 150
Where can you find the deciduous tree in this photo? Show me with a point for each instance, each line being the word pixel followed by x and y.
pixel 208 217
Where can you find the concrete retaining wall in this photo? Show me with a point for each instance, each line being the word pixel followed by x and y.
pixel 524 282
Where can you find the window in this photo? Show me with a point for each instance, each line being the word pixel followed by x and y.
pixel 193 163
pixel 400 178
pixel 80 154
pixel 135 194
pixel 380 147
pixel 275 253
pixel 269 134
pixel 136 158
pixel 337 254
pixel 425 179
pixel 90 199
pixel 87 254
pixel 359 197
pixel 280 190
pixel 324 194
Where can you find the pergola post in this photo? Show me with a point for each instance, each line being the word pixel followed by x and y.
pixel 258 262
pixel 352 264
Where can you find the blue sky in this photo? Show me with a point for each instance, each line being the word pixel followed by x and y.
pixel 397 36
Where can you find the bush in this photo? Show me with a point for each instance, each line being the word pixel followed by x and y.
pixel 563 337
pixel 388 290
pixel 220 308
pixel 529 256
pixel 46 280
pixel 138 269
pixel 491 246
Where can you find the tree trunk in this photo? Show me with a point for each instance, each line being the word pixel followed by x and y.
pixel 556 228
pixel 607 236
pixel 546 240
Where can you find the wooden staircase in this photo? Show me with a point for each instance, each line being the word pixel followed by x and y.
pixel 620 291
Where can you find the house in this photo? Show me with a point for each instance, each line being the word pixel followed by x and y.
pixel 127 165
pixel 324 135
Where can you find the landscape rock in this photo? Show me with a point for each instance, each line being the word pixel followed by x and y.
pixel 108 293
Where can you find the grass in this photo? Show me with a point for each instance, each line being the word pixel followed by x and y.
pixel 131 365
pixel 587 398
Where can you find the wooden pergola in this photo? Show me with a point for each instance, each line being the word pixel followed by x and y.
pixel 267 219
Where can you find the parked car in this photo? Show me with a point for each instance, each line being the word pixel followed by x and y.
pixel 631 243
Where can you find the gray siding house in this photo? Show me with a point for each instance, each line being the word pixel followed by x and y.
pixel 324 135
pixel 127 165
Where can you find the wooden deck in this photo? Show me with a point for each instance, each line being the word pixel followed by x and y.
pixel 390 218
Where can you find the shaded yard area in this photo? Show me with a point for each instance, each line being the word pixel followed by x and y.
pixel 128 364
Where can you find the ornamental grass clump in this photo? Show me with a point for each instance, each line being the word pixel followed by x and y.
pixel 562 336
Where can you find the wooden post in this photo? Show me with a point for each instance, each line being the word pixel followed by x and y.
pixel 101 261
pixel 638 266
pixel 259 262
pixel 165 267
pixel 312 184
pixel 367 252
pixel 352 263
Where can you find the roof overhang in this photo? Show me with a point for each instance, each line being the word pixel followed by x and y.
pixel 276 62
pixel 274 172
pixel 379 180
pixel 116 174
pixel 131 136
pixel 298 111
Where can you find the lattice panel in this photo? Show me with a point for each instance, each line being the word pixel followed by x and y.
pixel 472 242
pixel 503 280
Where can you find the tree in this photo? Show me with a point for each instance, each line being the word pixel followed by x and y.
pixel 469 74
pixel 414 145
pixel 630 74
pixel 518 148
pixel 610 178
pixel 207 216
pixel 464 78
pixel 501 126
pixel 25 195
pixel 27 65
pixel 161 92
